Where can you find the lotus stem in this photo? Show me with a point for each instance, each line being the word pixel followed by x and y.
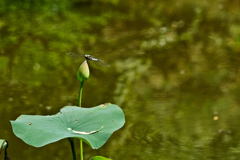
pixel 73 148
pixel 79 104
pixel 80 94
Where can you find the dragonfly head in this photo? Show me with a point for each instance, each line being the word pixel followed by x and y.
pixel 88 57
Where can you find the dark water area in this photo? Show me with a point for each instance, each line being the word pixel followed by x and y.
pixel 174 72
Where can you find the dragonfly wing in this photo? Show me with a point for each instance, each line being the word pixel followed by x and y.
pixel 88 57
pixel 102 63
pixel 74 55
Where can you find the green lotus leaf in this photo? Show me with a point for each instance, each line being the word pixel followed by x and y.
pixel 92 125
pixel 99 158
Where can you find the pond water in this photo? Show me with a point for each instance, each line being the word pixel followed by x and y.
pixel 174 72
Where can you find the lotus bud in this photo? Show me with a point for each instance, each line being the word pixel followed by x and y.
pixel 83 72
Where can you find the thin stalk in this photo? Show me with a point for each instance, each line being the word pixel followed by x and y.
pixel 80 94
pixel 73 148
pixel 79 104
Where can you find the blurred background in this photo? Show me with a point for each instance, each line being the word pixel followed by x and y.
pixel 174 71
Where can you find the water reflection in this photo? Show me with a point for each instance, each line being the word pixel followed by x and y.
pixel 175 69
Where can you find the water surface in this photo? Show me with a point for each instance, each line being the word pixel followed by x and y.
pixel 174 72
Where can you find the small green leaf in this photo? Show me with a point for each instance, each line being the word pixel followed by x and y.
pixel 97 124
pixel 3 145
pixel 99 158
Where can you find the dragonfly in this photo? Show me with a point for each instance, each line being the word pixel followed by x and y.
pixel 88 58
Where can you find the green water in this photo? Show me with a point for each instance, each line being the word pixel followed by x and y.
pixel 175 66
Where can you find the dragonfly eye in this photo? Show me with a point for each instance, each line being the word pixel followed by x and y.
pixel 88 57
